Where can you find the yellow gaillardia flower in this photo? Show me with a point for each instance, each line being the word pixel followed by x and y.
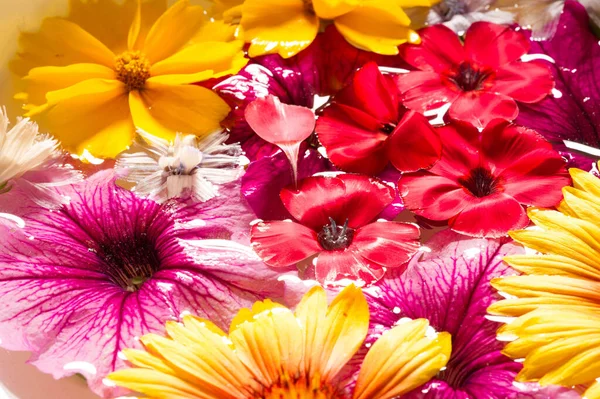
pixel 274 353
pixel 95 76
pixel 557 301
pixel 286 27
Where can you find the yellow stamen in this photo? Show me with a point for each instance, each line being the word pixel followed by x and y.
pixel 133 69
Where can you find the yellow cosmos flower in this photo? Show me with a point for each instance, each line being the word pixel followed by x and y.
pixel 557 300
pixel 273 353
pixel 286 27
pixel 93 77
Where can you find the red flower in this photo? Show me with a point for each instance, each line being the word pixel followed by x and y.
pixel 367 127
pixel 335 219
pixel 482 181
pixel 482 79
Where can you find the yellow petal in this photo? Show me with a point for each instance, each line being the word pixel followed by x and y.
pixel 593 392
pixel 331 9
pixel 181 79
pixel 402 359
pixel 214 31
pixel 98 105
pixel 136 26
pixel 377 26
pixel 283 27
pixel 146 360
pixel 552 265
pixel 173 30
pixel 163 110
pixel 220 57
pixel 221 6
pixel 42 80
pixel 312 313
pixel 585 181
pixel 416 3
pixel 158 385
pixel 580 204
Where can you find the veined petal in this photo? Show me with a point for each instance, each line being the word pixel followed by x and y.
pixel 402 359
pixel 331 9
pixel 281 27
pixel 220 57
pixel 163 110
pixel 173 30
pixel 377 26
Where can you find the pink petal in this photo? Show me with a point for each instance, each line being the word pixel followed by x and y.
pixel 494 45
pixel 388 244
pixel 480 107
pixel 284 243
pixel 440 49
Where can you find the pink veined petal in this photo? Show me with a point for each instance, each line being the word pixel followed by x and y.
pixel 440 49
pixel 527 82
pixel 494 45
pixel 281 124
pixel 388 244
pixel 332 266
pixel 480 107
pixel 355 198
pixel 414 144
pixel 490 216
pixel 284 243
pixel 424 90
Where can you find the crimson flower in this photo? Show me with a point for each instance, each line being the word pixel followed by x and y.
pixel 483 180
pixel 366 127
pixel 336 220
pixel 481 80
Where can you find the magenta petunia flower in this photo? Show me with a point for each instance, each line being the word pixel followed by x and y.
pixel 450 287
pixel 79 284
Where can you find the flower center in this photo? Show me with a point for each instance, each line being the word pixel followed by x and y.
pixel 334 237
pixel 133 69
pixel 469 77
pixel 388 128
pixel 130 262
pixel 449 8
pixel 480 182
pixel 299 388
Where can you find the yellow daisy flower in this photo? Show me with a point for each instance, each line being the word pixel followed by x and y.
pixel 286 27
pixel 557 301
pixel 93 77
pixel 274 353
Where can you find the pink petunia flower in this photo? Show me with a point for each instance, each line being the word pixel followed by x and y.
pixel 483 181
pixel 482 80
pixel 79 284
pixel 367 127
pixel 335 219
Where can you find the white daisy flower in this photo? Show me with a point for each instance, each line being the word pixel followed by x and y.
pixel 188 167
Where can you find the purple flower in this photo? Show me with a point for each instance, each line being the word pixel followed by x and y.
pixel 573 113
pixel 450 287
pixel 79 284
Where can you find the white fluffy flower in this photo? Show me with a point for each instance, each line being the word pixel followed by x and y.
pixel 458 15
pixel 187 167
pixel 31 162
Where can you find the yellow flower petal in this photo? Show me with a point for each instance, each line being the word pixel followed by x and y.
pixel 585 181
pixel 283 27
pixel 42 80
pixel 148 361
pixel 158 385
pixel 136 26
pixel 593 392
pixel 580 204
pixel 163 110
pixel 331 9
pixel 173 30
pixel 377 26
pixel 181 79
pixel 251 315
pixel 401 360
pixel 98 105
pixel 221 6
pixel 214 31
pixel 554 265
pixel 220 57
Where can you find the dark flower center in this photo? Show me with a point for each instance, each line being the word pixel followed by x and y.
pixel 447 9
pixel 308 7
pixel 388 128
pixel 334 236
pixel 469 77
pixel 480 182
pixel 130 262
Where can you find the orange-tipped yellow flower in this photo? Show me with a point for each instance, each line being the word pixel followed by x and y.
pixel 92 78
pixel 557 301
pixel 274 353
pixel 286 27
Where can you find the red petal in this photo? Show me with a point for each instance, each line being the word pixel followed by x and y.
pixel 389 244
pixel 423 91
pixel 527 82
pixel 352 140
pixel 414 144
pixel 440 49
pixel 494 45
pixel 356 198
pixel 541 186
pixel 480 107
pixel 431 196
pixel 336 265
pixel 283 243
pixel 491 216
pixel 460 151
pixel 372 93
